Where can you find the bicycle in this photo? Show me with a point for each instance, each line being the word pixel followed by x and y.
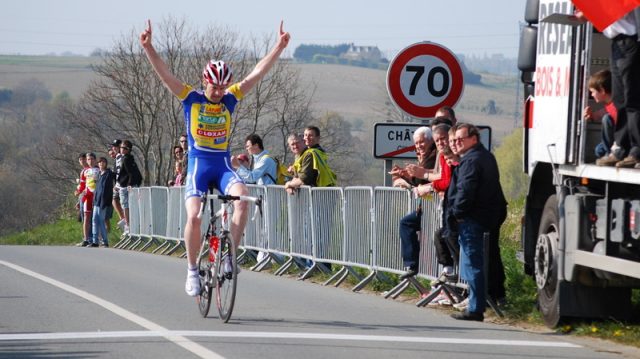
pixel 217 260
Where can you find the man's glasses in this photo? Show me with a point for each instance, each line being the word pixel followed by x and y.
pixel 178 153
pixel 460 139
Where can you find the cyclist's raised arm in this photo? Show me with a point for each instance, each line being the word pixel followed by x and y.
pixel 170 81
pixel 264 65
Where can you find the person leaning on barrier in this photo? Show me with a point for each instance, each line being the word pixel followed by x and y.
pixel 477 205
pixel 128 176
pixel 439 182
pixel 115 154
pixel 264 166
pixel 297 147
pixel 313 170
pixel 413 175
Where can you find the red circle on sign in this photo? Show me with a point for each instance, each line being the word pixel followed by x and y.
pixel 406 55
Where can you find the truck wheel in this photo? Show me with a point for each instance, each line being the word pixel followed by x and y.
pixel 546 264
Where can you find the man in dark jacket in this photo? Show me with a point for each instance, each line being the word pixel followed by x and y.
pixel 128 176
pixel 478 207
pixel 103 196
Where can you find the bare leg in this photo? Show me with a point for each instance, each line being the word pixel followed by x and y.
pixel 118 207
pixel 240 213
pixel 192 230
pixel 86 225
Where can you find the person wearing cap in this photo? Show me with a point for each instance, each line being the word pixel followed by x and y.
pixel 207 116
pixel 128 176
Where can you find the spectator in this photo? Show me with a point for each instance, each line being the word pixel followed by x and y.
pixel 625 76
pixel 600 89
pixel 445 113
pixel 297 147
pixel 477 206
pixel 102 202
pixel 184 144
pixel 79 192
pixel 115 154
pixel 407 178
pixel 177 181
pixel 91 174
pixel 264 167
pixel 439 182
pixel 413 175
pixel 178 157
pixel 314 169
pixel 128 176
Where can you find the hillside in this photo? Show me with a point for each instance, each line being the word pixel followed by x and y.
pixel 358 94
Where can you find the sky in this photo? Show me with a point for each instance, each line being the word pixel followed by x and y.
pixel 469 27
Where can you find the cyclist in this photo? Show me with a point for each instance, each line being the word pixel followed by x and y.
pixel 208 122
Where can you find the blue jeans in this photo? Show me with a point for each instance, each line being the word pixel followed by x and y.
pixel 604 147
pixel 99 225
pixel 472 262
pixel 409 242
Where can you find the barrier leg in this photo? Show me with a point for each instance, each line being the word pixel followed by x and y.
pixel 364 282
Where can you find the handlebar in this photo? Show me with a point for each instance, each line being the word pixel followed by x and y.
pixel 228 198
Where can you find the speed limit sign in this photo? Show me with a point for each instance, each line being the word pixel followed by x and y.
pixel 424 77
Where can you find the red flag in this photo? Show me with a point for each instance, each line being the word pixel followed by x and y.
pixel 603 13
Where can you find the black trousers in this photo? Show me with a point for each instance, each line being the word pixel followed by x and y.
pixel 625 80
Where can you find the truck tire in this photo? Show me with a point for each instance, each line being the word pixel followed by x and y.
pixel 546 264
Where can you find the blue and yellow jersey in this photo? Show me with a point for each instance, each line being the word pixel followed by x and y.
pixel 208 124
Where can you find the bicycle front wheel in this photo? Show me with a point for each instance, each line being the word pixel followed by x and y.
pixel 226 277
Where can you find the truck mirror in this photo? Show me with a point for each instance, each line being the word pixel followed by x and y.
pixel 531 11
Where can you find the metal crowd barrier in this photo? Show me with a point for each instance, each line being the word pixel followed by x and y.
pixel 351 227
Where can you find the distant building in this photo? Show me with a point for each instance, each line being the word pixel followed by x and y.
pixel 362 53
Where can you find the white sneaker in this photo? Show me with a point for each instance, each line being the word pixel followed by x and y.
pixel 261 256
pixel 448 271
pixel 126 229
pixel 462 305
pixel 436 301
pixel 192 286
pixel 121 224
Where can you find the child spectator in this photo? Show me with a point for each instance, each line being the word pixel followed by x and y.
pixel 600 88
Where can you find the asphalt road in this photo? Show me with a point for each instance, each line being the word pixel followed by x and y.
pixel 68 302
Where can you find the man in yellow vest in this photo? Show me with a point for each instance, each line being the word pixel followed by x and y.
pixel 312 168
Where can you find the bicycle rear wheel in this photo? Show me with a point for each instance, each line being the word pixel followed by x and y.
pixel 226 275
pixel 206 280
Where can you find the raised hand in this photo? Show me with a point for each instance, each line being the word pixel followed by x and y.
pixel 145 36
pixel 283 39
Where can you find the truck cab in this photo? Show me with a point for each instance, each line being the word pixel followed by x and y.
pixel 580 236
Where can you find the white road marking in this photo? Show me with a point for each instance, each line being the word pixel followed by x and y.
pixel 281 335
pixel 180 337
pixel 185 343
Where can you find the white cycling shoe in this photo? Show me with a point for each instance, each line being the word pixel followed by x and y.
pixel 192 286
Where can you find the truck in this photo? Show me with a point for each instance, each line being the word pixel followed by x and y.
pixel 581 224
